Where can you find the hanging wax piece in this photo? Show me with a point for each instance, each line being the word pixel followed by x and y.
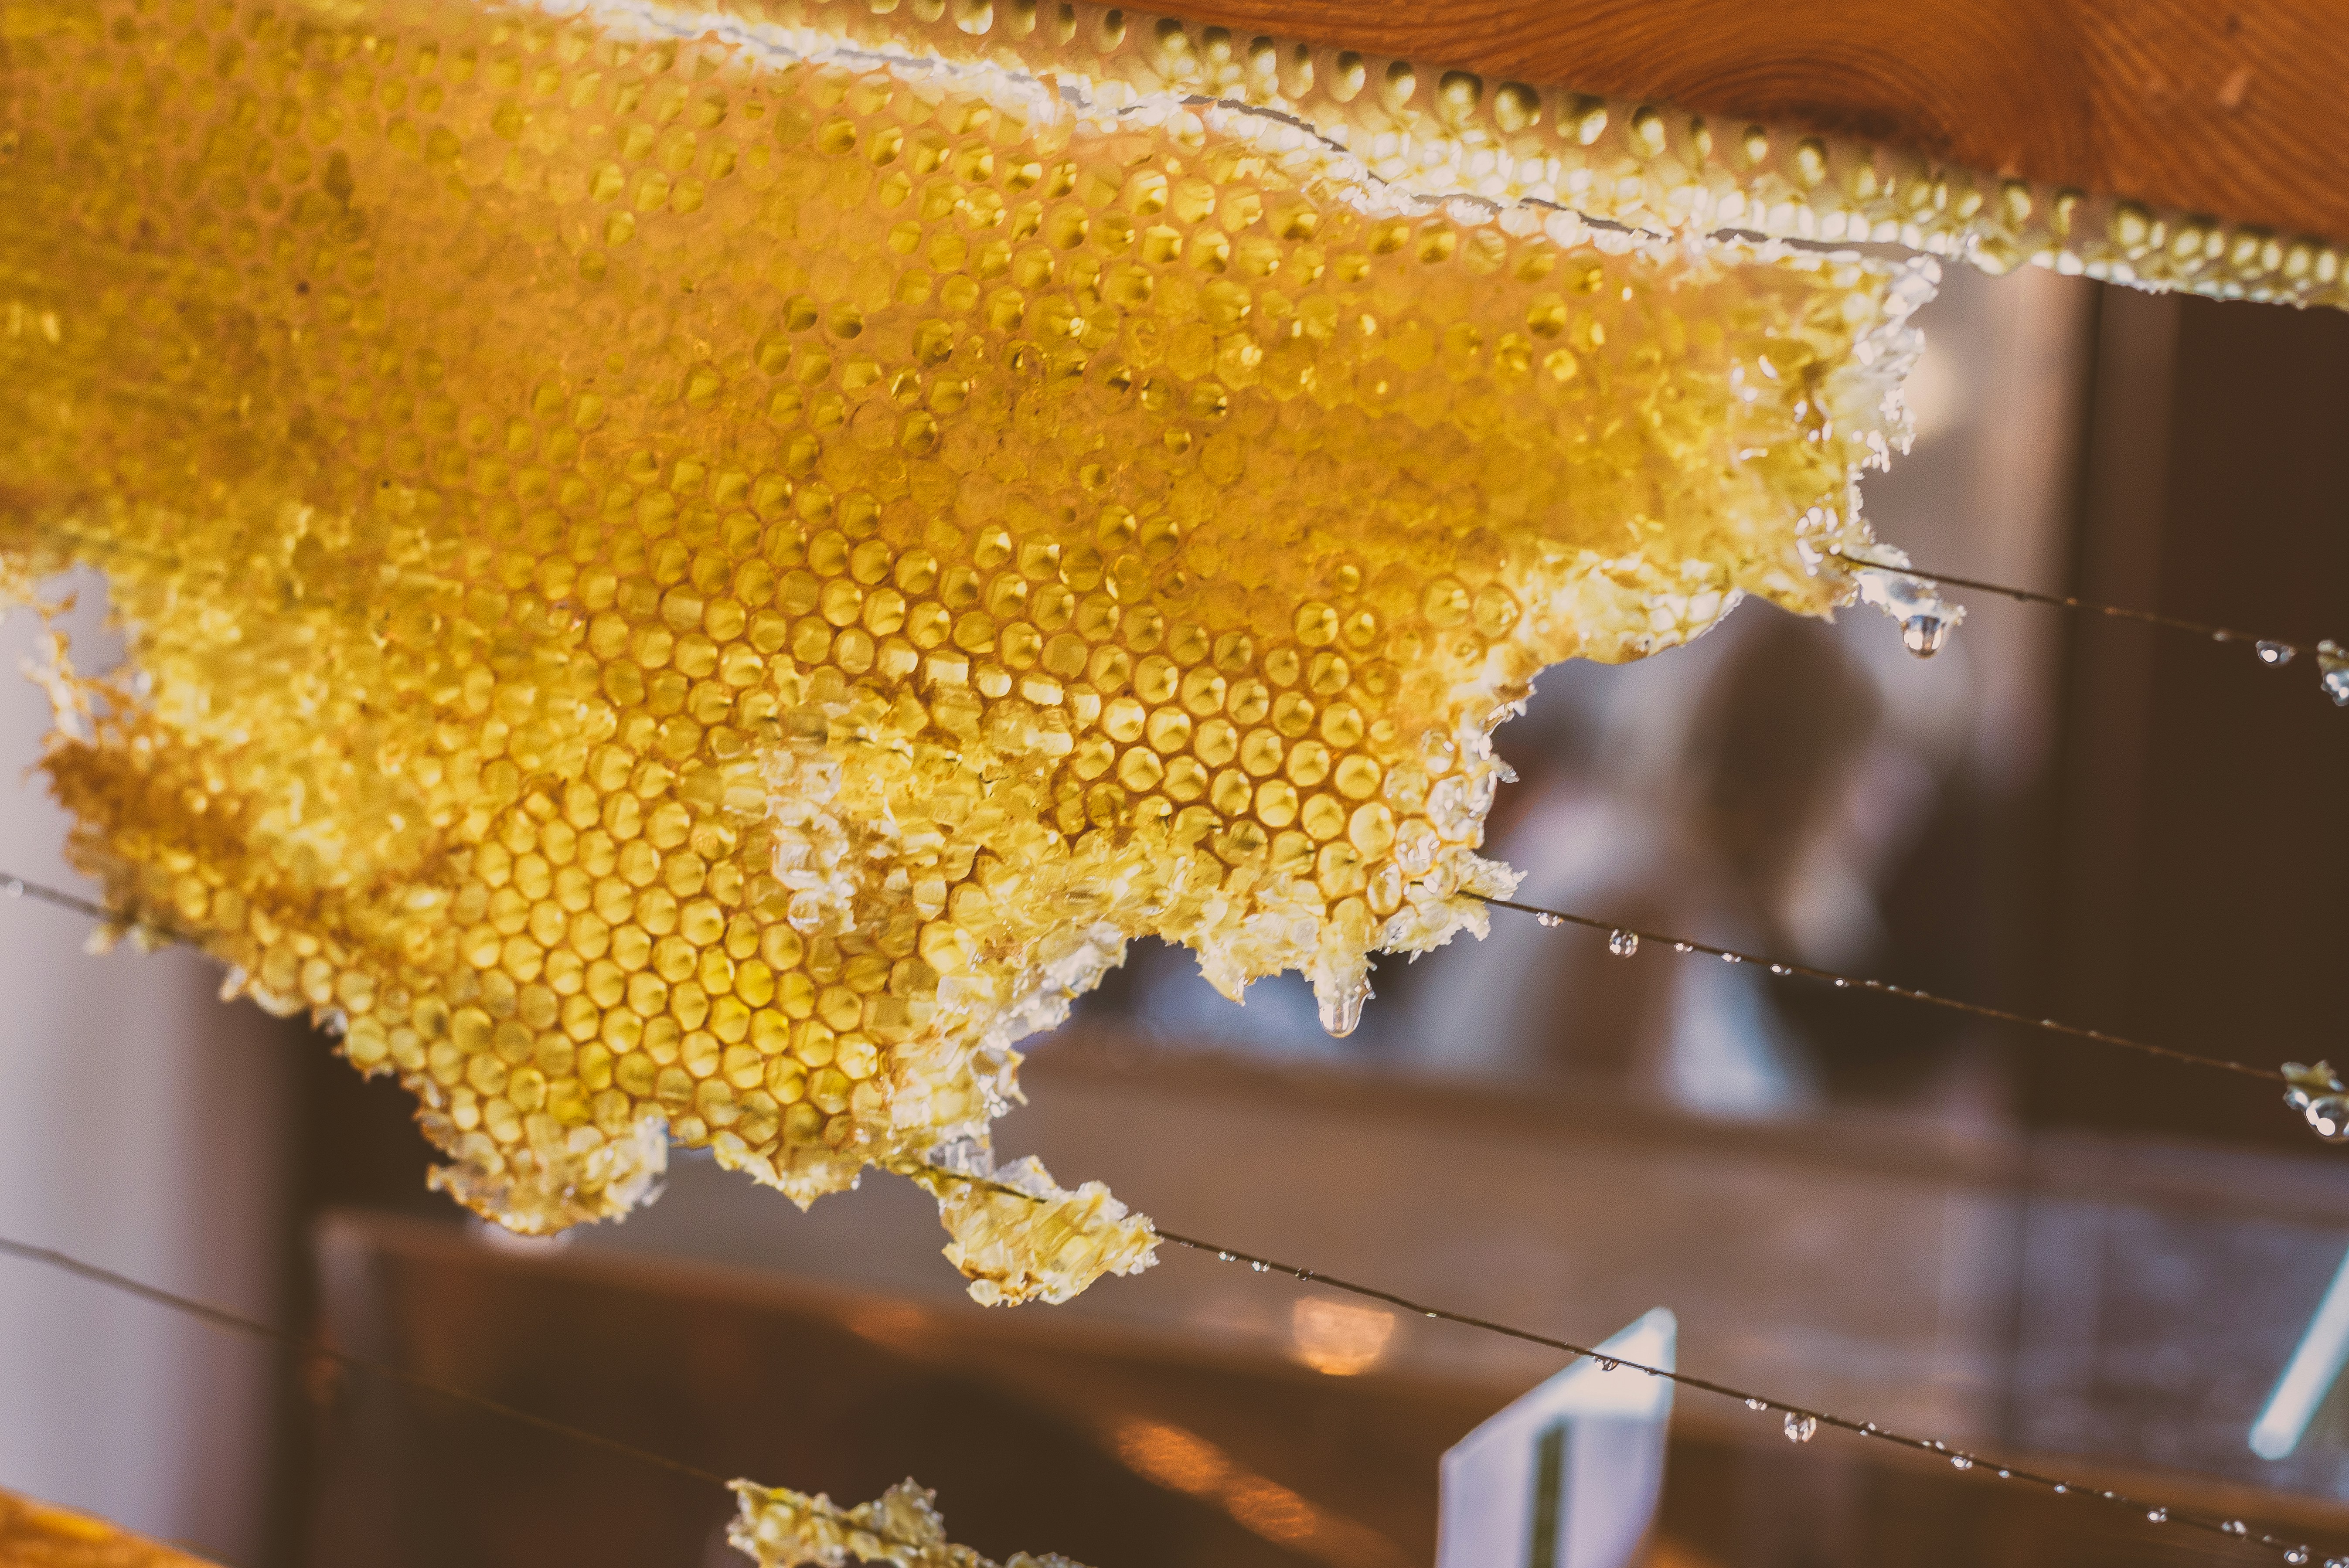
pixel 692 576
pixel 1018 1236
pixel 780 1529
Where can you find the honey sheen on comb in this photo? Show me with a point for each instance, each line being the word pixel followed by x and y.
pixel 684 582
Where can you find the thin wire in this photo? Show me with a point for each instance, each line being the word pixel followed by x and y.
pixel 15 886
pixel 220 1318
pixel 1782 969
pixel 1960 1459
pixel 18 887
pixel 2284 650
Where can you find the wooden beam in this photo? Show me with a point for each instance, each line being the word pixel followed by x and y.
pixel 2239 111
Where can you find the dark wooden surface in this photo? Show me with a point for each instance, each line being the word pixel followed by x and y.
pixel 2234 109
pixel 1012 1416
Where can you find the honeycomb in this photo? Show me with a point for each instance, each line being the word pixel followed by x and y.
pixel 781 1529
pixel 692 578
pixel 35 1535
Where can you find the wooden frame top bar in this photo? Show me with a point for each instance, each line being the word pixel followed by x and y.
pixel 2236 109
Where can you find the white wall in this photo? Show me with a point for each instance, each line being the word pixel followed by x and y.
pixel 142 1128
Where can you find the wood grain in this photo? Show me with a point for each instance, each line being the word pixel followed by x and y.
pixel 2236 110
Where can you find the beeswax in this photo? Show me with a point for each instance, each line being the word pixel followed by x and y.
pixel 689 577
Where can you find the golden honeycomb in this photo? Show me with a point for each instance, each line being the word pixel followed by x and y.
pixel 689 577
pixel 36 1535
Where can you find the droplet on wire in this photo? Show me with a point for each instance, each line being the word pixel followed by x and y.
pixel 1961 1462
pixel 1682 948
pixel 1801 1428
pixel 1926 618
pixel 2158 1515
pixel 1608 1363
pixel 2333 659
pixel 1622 943
pixel 2276 654
pixel 1924 634
pixel 1552 921
pixel 1259 1265
pixel 2235 1527
pixel 1758 1404
pixel 2321 1097
pixel 2297 1555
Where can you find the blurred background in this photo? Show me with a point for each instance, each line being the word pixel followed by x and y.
pixel 2084 1259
